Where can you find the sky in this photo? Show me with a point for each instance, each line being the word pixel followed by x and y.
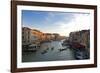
pixel 56 22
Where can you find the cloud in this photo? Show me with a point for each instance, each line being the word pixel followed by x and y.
pixel 54 17
pixel 80 22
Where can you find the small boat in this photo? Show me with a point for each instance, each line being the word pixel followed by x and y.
pixel 45 51
pixel 62 49
pixel 52 48
pixel 81 54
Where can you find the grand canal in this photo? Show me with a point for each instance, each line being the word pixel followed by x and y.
pixel 49 51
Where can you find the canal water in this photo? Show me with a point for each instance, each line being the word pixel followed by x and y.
pixel 49 51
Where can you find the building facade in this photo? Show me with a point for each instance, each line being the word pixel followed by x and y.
pixel 82 37
pixel 33 36
pixel 26 36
